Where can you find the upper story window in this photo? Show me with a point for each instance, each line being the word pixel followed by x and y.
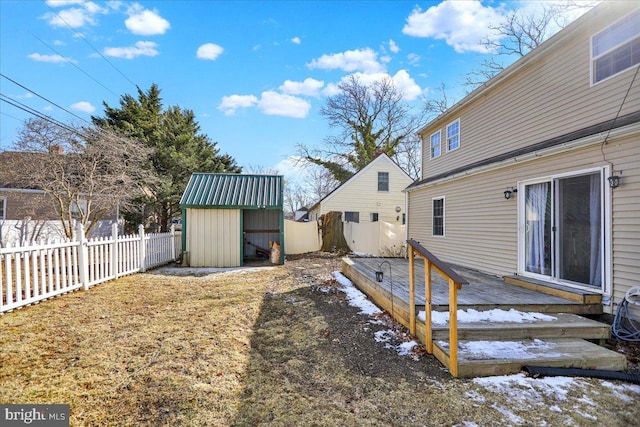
pixel 616 48
pixel 438 216
pixel 3 208
pixel 453 135
pixel 435 145
pixel 374 217
pixel 383 181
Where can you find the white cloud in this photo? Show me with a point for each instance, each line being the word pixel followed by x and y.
pixel 364 60
pixel 140 49
pixel 277 104
pixel 413 58
pixel 63 3
pixel 309 87
pixel 209 51
pixel 83 106
pixel 55 59
pixel 145 22
pixel 74 18
pixel 461 24
pixel 393 47
pixel 296 40
pixel 230 104
pixel 401 80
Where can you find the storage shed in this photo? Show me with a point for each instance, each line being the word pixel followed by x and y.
pixel 230 220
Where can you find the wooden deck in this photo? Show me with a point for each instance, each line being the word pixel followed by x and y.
pixel 566 334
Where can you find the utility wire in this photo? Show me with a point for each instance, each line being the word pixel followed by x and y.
pixel 616 118
pixel 44 98
pixel 72 63
pixel 90 45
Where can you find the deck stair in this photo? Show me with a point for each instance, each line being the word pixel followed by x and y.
pixel 567 341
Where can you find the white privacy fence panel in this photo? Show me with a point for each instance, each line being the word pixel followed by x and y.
pixel 378 238
pixel 33 273
pixel 301 237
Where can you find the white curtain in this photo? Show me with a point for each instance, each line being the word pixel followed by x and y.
pixel 595 269
pixel 537 198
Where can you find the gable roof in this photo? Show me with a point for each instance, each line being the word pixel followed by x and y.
pixel 206 190
pixel 368 166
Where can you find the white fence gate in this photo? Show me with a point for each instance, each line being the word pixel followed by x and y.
pixel 29 274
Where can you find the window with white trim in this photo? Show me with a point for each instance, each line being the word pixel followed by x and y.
pixel 435 145
pixel 3 208
pixel 383 181
pixel 616 48
pixel 374 217
pixel 438 216
pixel 453 135
pixel 352 216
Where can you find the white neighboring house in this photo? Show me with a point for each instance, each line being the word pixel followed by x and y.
pixel 373 196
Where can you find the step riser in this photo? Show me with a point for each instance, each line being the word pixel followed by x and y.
pixel 521 334
pixel 566 353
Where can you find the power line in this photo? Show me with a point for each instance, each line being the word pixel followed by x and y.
pixel 90 45
pixel 71 62
pixel 44 98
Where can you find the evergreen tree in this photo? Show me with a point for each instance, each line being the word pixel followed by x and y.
pixel 179 149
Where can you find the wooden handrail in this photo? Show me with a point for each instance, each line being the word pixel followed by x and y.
pixel 441 266
pixel 455 282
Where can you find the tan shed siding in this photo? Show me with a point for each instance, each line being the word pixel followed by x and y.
pixel 552 96
pixel 213 237
pixel 361 194
pixel 481 226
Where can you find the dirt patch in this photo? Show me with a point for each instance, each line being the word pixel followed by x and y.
pixel 273 346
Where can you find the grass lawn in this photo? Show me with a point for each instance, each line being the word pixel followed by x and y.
pixel 255 347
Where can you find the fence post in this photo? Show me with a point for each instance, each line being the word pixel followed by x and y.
pixel 173 242
pixel 143 249
pixel 114 251
pixel 83 257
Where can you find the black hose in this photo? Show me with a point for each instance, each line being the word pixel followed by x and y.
pixel 545 371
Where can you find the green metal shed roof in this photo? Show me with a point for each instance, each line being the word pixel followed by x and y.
pixel 233 190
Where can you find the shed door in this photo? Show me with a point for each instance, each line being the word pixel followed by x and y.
pixel 213 237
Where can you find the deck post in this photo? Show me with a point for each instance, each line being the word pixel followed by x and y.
pixel 453 327
pixel 428 325
pixel 412 293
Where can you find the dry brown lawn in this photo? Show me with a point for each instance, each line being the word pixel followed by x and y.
pixel 275 346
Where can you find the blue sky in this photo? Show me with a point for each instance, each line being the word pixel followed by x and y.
pixel 256 73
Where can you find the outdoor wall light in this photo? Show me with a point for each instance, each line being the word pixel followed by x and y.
pixel 507 193
pixel 614 181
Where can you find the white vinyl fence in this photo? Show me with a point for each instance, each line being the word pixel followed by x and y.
pixel 29 274
pixel 378 238
pixel 301 237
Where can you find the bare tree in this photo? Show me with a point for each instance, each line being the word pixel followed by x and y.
pixel 522 31
pixel 369 118
pixel 86 172
pixel 319 182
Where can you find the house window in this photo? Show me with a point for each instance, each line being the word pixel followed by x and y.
pixel 438 216
pixel 383 181
pixel 3 208
pixel 352 216
pixel 374 217
pixel 453 135
pixel 616 48
pixel 435 145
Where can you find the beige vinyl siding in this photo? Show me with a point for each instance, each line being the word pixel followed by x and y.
pixel 481 226
pixel 361 194
pixel 213 237
pixel 549 97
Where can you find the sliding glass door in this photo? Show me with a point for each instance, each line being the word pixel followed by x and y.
pixel 562 229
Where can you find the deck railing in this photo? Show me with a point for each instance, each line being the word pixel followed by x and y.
pixel 431 262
